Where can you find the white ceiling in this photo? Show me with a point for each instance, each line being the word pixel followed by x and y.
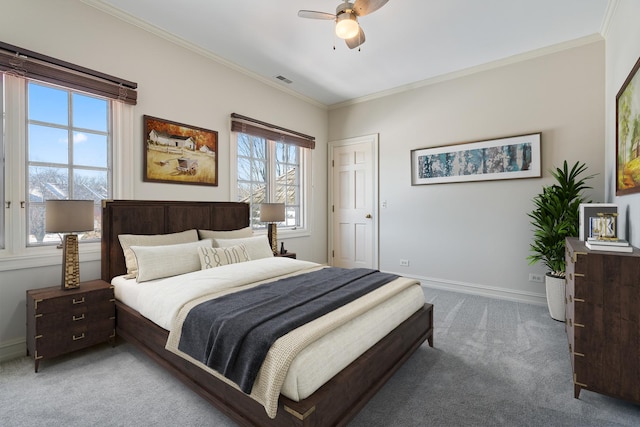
pixel 407 41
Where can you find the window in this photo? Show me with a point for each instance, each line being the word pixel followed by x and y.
pixel 271 168
pixel 62 137
pixel 68 146
pixel 270 172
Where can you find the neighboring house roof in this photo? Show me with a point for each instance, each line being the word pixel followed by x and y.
pixel 286 181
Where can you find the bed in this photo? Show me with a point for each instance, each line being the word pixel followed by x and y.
pixel 334 403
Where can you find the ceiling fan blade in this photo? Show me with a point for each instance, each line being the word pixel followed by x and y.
pixel 312 14
pixel 365 7
pixel 356 41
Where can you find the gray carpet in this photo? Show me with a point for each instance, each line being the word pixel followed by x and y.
pixel 494 363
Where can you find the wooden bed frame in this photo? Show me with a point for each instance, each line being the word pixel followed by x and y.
pixel 334 404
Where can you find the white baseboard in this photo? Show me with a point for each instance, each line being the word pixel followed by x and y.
pixel 481 290
pixel 13 349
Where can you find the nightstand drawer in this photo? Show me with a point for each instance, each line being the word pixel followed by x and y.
pixel 52 322
pixel 55 344
pixel 77 301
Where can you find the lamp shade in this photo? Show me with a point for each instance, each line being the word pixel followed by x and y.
pixel 272 212
pixel 68 216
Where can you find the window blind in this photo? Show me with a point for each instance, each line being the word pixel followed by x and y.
pixel 26 63
pixel 272 132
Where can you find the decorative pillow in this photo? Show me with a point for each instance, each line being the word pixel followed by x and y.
pixel 156 262
pixel 216 257
pixel 257 247
pixel 128 240
pixel 233 234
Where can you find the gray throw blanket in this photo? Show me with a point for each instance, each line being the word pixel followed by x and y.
pixel 232 334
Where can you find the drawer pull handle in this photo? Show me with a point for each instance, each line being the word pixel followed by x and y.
pixel 76 318
pixel 76 338
pixel 78 301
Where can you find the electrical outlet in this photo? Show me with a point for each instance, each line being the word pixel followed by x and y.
pixel 536 278
pixel 404 262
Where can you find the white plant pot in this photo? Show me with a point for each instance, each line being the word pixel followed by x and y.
pixel 555 297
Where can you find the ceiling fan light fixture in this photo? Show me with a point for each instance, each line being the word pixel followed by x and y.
pixel 347 25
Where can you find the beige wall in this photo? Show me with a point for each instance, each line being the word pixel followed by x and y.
pixel 475 236
pixel 174 83
pixel 623 50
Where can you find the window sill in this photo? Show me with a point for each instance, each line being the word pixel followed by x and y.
pixel 45 256
pixel 284 233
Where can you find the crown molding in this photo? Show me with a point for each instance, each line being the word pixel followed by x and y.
pixel 609 13
pixel 593 38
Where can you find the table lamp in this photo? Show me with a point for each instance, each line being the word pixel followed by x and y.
pixel 68 217
pixel 272 213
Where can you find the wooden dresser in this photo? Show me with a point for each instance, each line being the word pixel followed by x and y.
pixel 603 320
pixel 60 321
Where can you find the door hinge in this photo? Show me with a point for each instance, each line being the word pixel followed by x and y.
pixel 332 208
pixel 333 163
pixel 333 254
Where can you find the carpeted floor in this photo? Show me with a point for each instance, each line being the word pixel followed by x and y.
pixel 494 363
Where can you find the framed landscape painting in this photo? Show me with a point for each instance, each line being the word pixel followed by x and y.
pixel 502 158
pixel 178 153
pixel 628 134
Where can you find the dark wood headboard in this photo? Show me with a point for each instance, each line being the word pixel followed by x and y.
pixel 161 217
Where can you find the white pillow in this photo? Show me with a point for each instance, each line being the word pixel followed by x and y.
pixel 216 257
pixel 232 234
pixel 257 247
pixel 128 240
pixel 155 262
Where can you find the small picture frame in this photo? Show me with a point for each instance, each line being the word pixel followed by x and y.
pixel 589 218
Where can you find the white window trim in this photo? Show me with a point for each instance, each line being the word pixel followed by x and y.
pixel 16 255
pixel 306 163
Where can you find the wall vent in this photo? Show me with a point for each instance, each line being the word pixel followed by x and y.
pixel 284 79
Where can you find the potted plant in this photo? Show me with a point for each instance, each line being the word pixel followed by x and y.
pixel 555 217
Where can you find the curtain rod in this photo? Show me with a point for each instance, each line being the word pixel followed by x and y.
pixel 269 125
pixel 30 54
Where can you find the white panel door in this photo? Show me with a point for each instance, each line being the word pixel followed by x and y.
pixel 353 209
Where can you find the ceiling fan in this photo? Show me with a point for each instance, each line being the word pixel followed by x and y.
pixel 346 18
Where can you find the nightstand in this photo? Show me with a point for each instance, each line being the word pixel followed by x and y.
pixel 61 321
pixel 287 255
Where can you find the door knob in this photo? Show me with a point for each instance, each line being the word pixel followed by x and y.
pixel 368 216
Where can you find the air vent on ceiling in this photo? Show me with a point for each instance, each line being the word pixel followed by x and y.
pixel 284 79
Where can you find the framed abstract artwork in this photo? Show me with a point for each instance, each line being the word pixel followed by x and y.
pixel 628 134
pixel 503 158
pixel 178 153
